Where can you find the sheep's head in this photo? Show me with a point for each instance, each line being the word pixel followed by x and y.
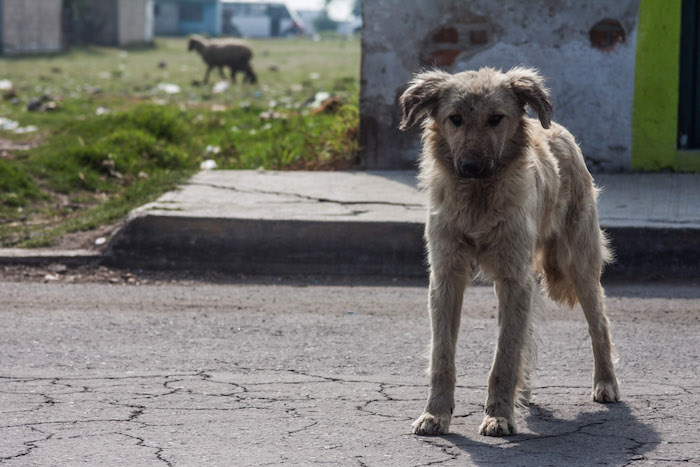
pixel 196 43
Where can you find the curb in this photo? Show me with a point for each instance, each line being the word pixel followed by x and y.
pixel 293 247
pixel 256 246
pixel 41 257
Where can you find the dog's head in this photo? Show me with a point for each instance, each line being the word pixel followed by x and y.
pixel 476 112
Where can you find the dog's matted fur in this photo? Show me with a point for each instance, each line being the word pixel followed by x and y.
pixel 513 195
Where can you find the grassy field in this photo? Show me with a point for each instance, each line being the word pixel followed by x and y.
pixel 119 127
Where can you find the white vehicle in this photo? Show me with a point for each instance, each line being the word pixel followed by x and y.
pixel 259 19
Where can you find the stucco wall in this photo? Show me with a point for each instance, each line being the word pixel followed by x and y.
pixel 135 21
pixel 31 26
pixel 167 21
pixel 592 88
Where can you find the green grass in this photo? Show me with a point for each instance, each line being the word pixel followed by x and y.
pixel 90 170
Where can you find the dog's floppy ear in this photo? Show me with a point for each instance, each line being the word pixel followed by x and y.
pixel 421 96
pixel 528 86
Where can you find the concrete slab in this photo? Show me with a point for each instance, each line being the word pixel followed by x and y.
pixel 372 223
pixel 649 200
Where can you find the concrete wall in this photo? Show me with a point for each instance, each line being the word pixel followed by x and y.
pixel 135 21
pixel 167 21
pixel 31 26
pixel 592 87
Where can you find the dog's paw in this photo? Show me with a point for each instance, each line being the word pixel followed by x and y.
pixel 431 425
pixel 606 392
pixel 497 426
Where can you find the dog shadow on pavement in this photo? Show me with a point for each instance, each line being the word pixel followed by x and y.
pixel 613 436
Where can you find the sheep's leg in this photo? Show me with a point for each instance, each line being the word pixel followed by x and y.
pixel 206 75
pixel 233 74
pixel 250 75
pixel 221 72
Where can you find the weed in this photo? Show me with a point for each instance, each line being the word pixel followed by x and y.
pixel 93 167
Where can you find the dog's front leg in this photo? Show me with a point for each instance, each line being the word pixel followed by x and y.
pixel 514 302
pixel 448 278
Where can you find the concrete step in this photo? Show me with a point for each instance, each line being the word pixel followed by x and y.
pixel 371 223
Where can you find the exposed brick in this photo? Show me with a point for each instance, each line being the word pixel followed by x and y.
pixel 446 35
pixel 479 37
pixel 442 57
pixel 606 34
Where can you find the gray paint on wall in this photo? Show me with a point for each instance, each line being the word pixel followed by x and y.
pixel 592 89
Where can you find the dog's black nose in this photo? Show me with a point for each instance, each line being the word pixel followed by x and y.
pixel 473 169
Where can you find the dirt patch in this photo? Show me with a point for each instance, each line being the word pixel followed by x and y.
pixel 87 240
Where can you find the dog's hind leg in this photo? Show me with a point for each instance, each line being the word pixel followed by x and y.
pixel 586 282
pixel 514 305
pixel 448 278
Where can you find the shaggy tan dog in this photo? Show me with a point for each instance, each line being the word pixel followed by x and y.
pixel 512 195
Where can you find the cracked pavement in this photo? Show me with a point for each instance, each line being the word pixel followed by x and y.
pixel 283 372
pixel 380 196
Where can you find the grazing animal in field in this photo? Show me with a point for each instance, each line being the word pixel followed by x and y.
pixel 512 195
pixel 232 53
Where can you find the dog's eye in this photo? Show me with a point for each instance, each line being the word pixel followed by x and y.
pixel 456 119
pixel 494 120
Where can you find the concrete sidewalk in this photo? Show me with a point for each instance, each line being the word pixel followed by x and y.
pixel 372 223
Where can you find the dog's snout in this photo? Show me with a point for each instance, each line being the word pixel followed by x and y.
pixel 473 169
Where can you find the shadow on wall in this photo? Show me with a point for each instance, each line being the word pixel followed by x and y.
pixel 612 437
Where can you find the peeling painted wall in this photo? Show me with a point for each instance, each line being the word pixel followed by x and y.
pixel 590 70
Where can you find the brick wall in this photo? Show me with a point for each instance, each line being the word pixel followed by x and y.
pixel 31 26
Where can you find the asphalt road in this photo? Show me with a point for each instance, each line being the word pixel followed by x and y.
pixel 196 373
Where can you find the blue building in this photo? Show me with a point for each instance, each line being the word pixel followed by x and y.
pixel 182 17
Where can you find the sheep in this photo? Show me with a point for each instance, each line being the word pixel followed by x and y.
pixel 220 53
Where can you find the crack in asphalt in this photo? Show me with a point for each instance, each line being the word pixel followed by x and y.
pixel 251 396
pixel 30 445
pixel 158 451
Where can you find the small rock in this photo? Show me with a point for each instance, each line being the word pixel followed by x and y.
pixel 162 65
pixel 34 105
pixel 58 268
pixel 220 87
pixel 100 241
pixel 212 149
pixel 208 164
pixel 50 277
pixel 168 88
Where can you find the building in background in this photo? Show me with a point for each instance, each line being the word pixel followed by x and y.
pixel 122 22
pixel 30 26
pixel 182 17
pixel 622 74
pixel 260 19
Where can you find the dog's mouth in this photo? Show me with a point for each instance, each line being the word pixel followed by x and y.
pixel 474 168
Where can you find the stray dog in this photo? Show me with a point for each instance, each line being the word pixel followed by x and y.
pixel 513 195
